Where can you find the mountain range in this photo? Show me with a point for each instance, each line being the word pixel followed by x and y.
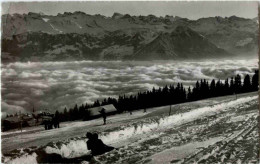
pixel 79 36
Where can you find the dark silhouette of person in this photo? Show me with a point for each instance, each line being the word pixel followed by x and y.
pixel 90 141
pixel 96 145
pixel 45 126
pixel 103 113
pixel 56 121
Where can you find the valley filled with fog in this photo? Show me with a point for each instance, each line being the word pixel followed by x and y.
pixel 56 85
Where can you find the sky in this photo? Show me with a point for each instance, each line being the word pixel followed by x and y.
pixel 191 10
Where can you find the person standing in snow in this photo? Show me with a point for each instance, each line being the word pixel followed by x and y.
pixel 103 113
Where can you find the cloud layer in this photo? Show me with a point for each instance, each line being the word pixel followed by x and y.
pixel 55 85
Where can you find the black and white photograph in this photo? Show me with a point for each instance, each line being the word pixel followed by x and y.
pixel 125 82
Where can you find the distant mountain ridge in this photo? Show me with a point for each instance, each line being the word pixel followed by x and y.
pixel 182 43
pixel 79 36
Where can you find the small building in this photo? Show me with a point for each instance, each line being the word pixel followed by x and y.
pixel 95 112
pixel 25 120
pixel 16 122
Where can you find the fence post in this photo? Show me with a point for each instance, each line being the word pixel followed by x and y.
pixel 170 110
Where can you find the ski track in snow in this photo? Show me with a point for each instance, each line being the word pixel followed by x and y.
pixel 151 128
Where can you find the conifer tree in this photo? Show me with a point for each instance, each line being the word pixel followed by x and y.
pixel 212 88
pixel 238 83
pixel 247 84
pixel 255 80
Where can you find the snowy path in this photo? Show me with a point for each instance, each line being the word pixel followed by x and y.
pixel 196 131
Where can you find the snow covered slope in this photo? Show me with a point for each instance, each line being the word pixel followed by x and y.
pixel 221 129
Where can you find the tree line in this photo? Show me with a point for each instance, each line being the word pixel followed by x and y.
pixel 167 95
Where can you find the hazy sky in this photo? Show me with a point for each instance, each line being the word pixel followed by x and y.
pixel 191 10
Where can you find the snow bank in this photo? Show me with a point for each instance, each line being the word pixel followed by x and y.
pixel 25 159
pixel 74 148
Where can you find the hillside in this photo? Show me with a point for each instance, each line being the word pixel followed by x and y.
pixel 77 36
pixel 216 130
pixel 182 43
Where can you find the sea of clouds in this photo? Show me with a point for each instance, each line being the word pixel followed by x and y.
pixel 56 85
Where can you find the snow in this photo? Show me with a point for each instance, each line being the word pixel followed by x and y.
pixel 172 133
pixel 239 118
pixel 12 132
pixel 244 42
pixel 25 159
pixel 202 36
pixel 55 28
pixel 202 112
pixel 63 49
pixel 77 24
pixel 72 149
pixel 45 19
pixel 181 151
